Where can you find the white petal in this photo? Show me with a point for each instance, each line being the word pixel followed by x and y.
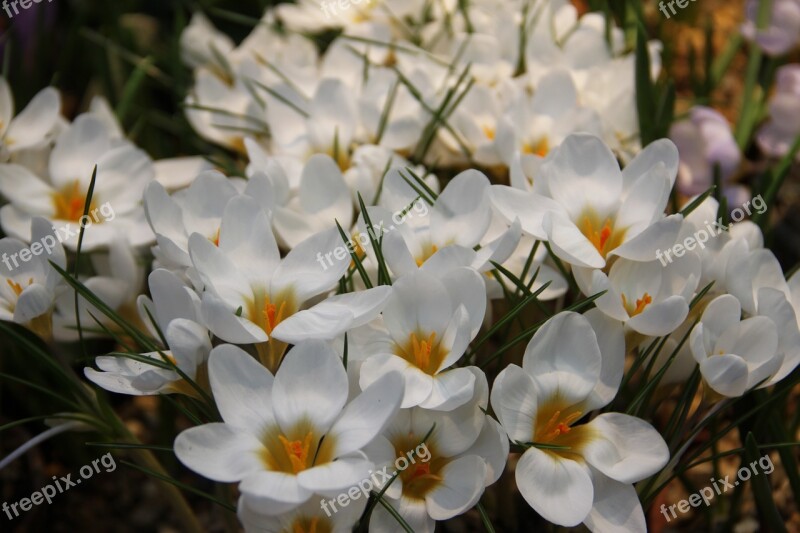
pixel 529 208
pixel 661 318
pixel 564 358
pixel 367 414
pixel 308 269
pixel 334 316
pixel 626 448
pixel 36 121
pixel 611 339
pixel 335 476
pixel 726 374
pixel 221 319
pixel 616 507
pixel 219 452
pixel 418 384
pixel 242 389
pixel 451 388
pixel 419 304
pixel 492 445
pixel 514 402
pixel 311 383
pixel 274 492
pixel 460 489
pixel 414 512
pixel 583 172
pixel 558 489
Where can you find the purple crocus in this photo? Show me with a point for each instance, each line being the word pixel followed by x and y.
pixel 783 30
pixel 704 140
pixel 777 135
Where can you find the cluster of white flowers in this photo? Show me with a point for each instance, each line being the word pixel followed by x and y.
pixel 323 373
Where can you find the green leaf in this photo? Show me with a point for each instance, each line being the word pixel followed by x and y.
pixel 354 256
pixel 762 491
pixel 686 211
pixel 645 90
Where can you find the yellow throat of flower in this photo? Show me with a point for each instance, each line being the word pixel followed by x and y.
pixel 69 202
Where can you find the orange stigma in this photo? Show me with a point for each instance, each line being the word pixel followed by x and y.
pixel 273 315
pixel 297 451
pixel 641 304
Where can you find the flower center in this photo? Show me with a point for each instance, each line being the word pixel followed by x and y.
pixel 489 132
pixel 540 148
pixel 419 476
pixel 215 238
pixel 69 203
pixel 557 426
pixel 554 426
pixel 602 234
pixel 427 252
pixel 423 352
pixel 309 525
pixel 16 287
pixel 641 304
pixel 273 315
pixel 296 450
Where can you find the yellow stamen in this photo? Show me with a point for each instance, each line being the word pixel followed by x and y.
pixel 16 287
pixel 69 203
pixel 489 132
pixel 297 451
pixel 215 238
pixel 597 238
pixel 422 349
pixel 641 304
pixel 298 527
pixel 541 148
pixel 557 426
pixel 426 254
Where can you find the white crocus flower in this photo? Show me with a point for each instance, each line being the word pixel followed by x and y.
pixel 34 124
pixel 196 209
pixel 287 437
pixel 320 198
pixel 171 299
pixel 29 285
pixel 648 297
pixel 188 346
pixel 327 125
pixel 224 113
pixel 444 461
pixel 533 125
pixel 456 222
pixel 735 355
pixel 123 171
pixel 203 45
pixel 249 289
pixel 582 472
pixel 593 211
pixel 430 323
